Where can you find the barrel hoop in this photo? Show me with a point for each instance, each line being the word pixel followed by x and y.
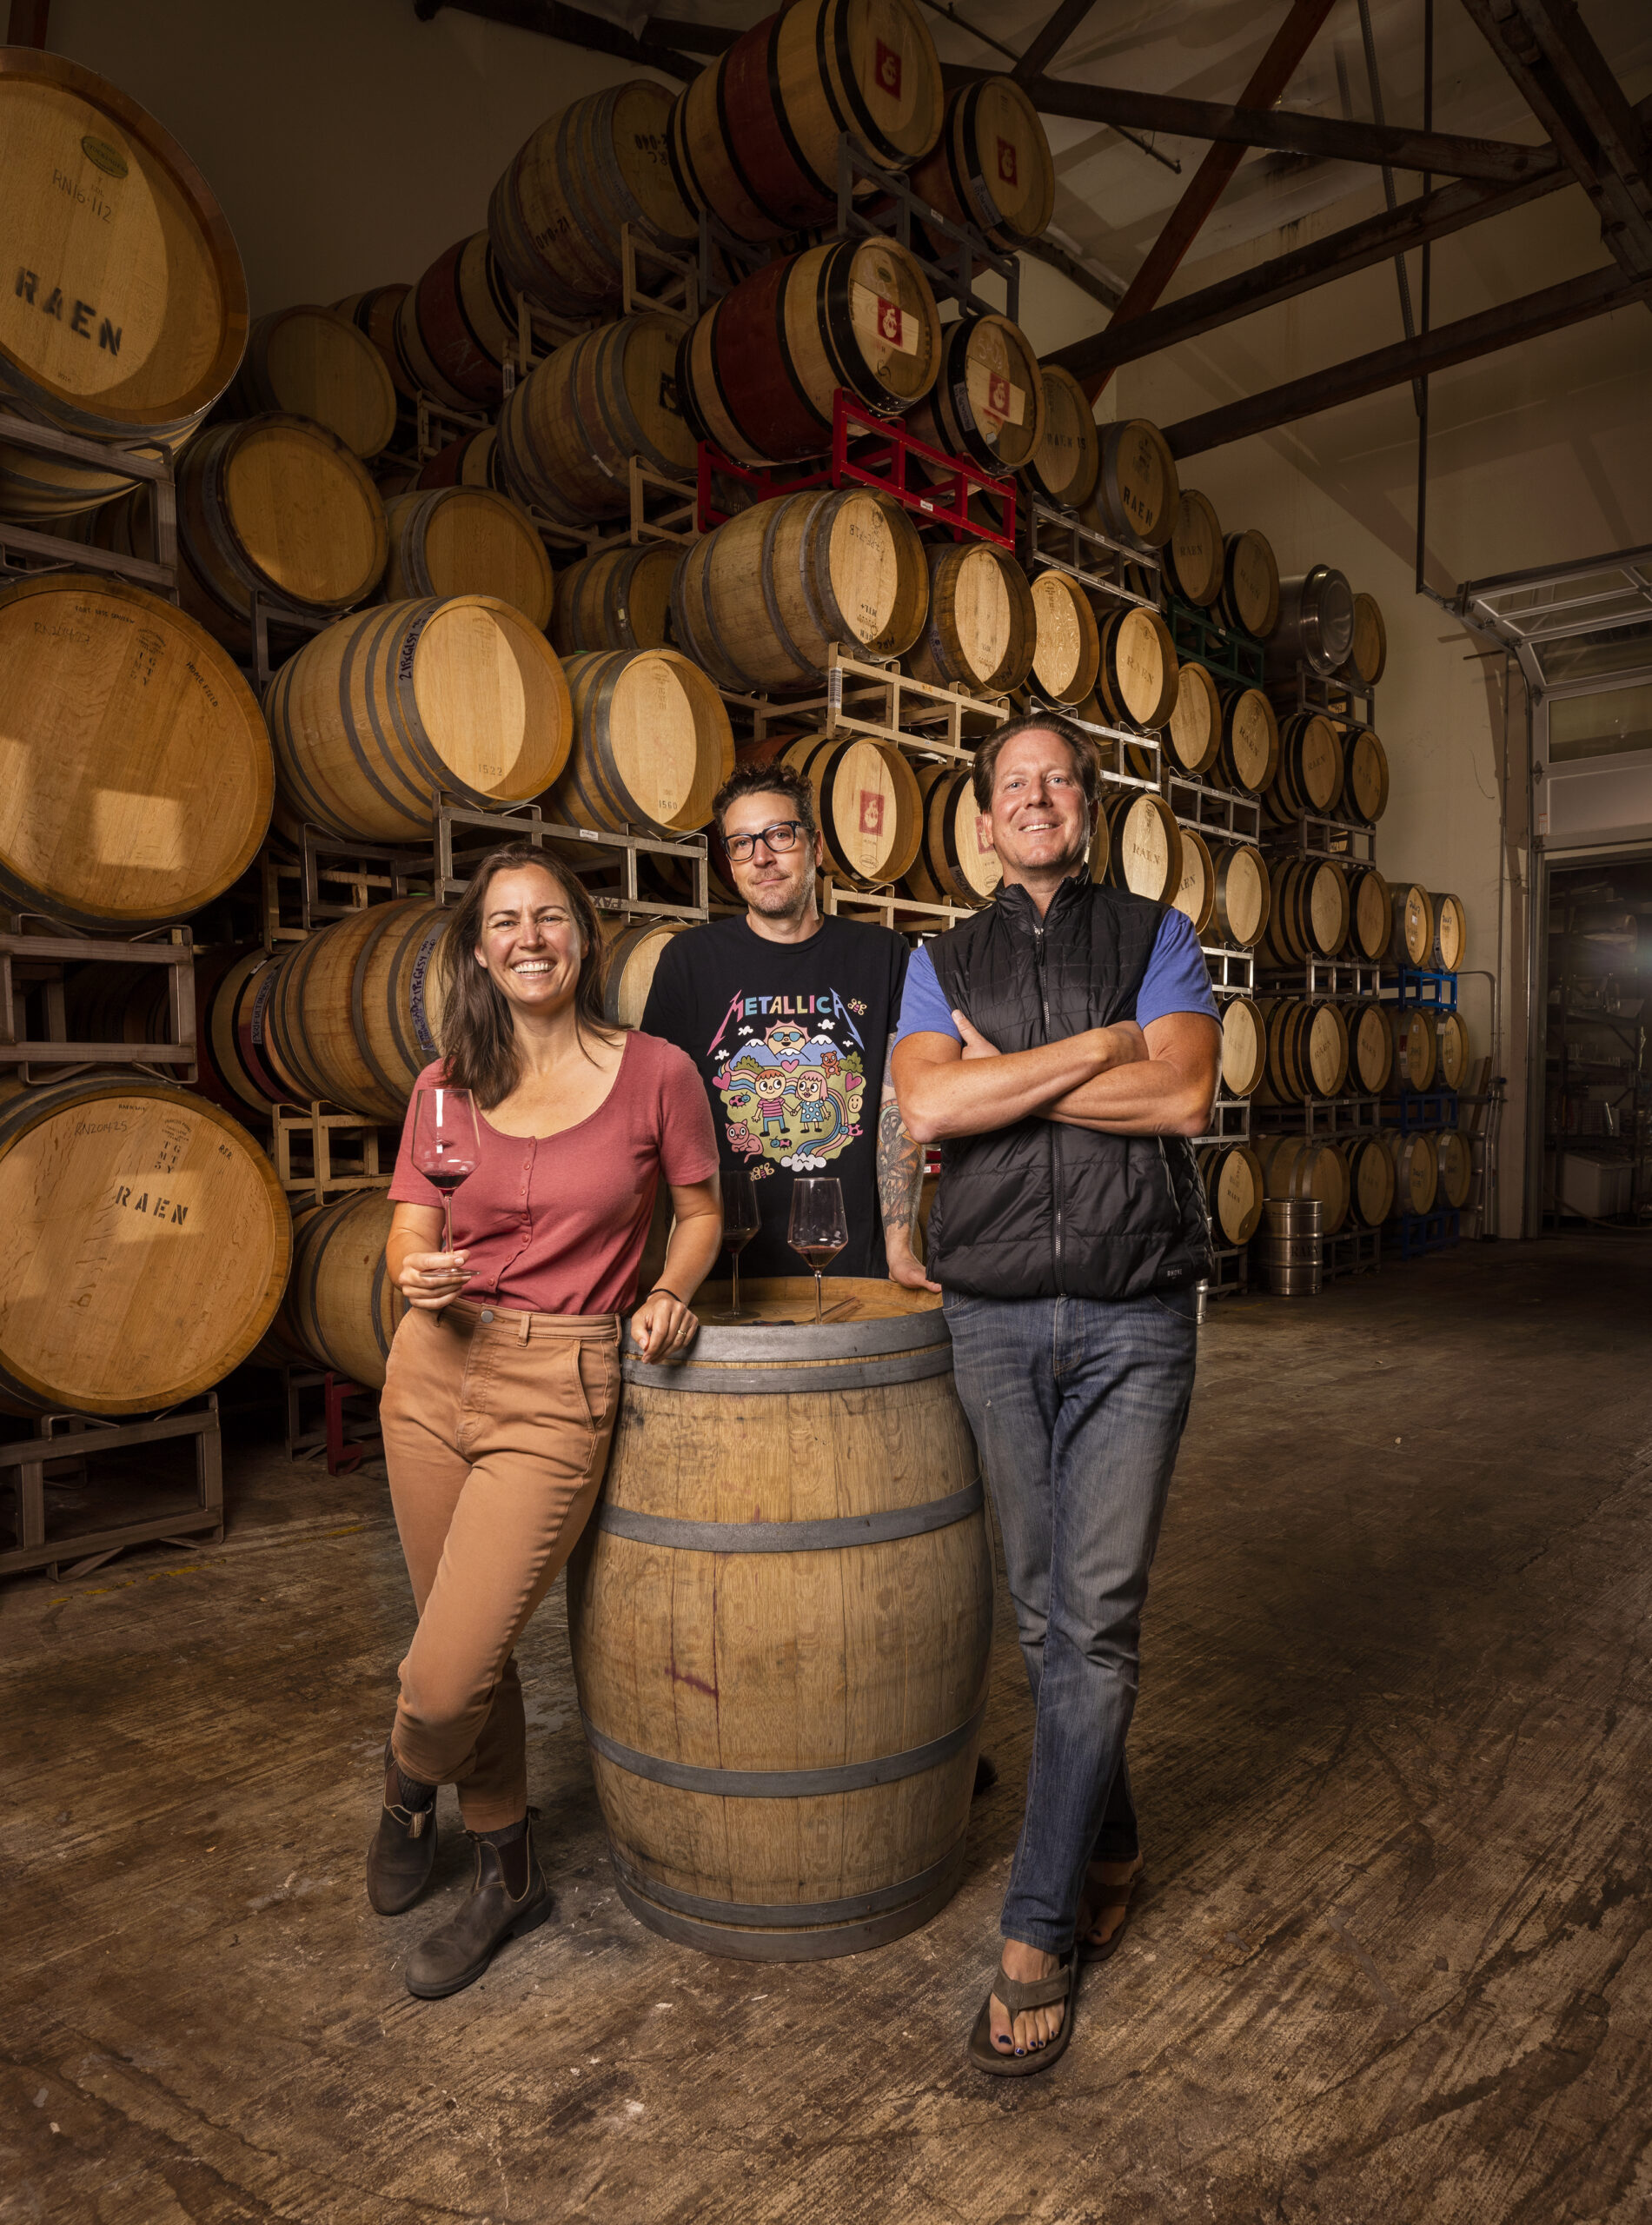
pixel 366 644
pixel 742 1381
pixel 784 1784
pixel 887 1527
pixel 836 325
pixel 987 213
pixel 764 572
pixel 860 115
pixel 824 1943
pixel 289 763
pixel 775 1915
pixel 370 942
pixel 418 744
pixel 729 139
pixel 381 1274
pixel 925 1331
pixel 788 362
pixel 323 1237
pixel 627 809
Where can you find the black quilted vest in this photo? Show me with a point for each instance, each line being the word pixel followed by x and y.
pixel 1041 1209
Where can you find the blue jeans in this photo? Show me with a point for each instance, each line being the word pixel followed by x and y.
pixel 1078 1407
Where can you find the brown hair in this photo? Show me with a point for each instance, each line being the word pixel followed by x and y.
pixel 1086 756
pixel 778 778
pixel 478 1034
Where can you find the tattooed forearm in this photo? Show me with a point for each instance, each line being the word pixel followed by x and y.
pixel 900 1168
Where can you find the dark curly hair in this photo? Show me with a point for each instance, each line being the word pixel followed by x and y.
pixel 478 1034
pixel 779 779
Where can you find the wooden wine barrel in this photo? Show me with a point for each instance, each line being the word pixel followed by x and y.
pixel 1194 733
pixel 953 866
pixel 619 599
pixel 1235 1188
pixel 1196 553
pixel 1411 935
pixel 375 718
pixel 1242 894
pixel 374 313
pixel 1066 648
pixel 309 362
pixel 231 995
pixel 1368 658
pixel 1146 843
pixel 991 168
pixel 1416 1170
pixel 138 780
pixel 1450 1051
pixel 982 628
pixel 1309 778
pixel 124 311
pixel 652 745
pixel 556 215
pixel 1316 622
pixel 455 541
pixel 1371 1181
pixel 1138 681
pixel 1248 601
pixel 1309 914
pixel 1448 932
pixel 1063 468
pixel 1244 1047
pixel 633 952
pixel 784 1712
pixel 148 1243
pixel 757 375
pixel 1415 1048
pixel 1364 773
pixel 868 805
pixel 759 601
pixel 1300 1166
pixel 988 402
pixel 341 1309
pixel 1138 495
pixel 1454 1167
pixel 471 461
pixel 1195 892
pixel 753 138
pixel 276 507
pixel 351 1015
pixel 570 428
pixel 1370 913
pixel 1370 1048
pixel 1249 756
pixel 1307 1050
pixel 459 327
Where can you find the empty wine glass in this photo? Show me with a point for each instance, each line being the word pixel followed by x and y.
pixel 741 1221
pixel 447 1145
pixel 819 1229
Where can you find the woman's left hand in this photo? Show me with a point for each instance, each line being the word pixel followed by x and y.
pixel 662 1326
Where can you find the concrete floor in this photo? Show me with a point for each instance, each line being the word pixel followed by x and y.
pixel 1391 1962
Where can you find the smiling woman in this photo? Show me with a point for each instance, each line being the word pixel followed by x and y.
pixel 503 1378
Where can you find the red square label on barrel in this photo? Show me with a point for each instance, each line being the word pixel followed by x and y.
pixel 872 811
pixel 997 394
pixel 1006 162
pixel 888 70
pixel 889 322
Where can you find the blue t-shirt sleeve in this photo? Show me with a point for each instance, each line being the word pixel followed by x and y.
pixel 1178 978
pixel 923 1008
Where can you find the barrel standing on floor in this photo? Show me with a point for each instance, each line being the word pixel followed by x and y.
pixel 1061 1045
pixel 499 1404
pixel 788 1016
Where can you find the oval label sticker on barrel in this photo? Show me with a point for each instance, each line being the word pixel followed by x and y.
pixel 106 158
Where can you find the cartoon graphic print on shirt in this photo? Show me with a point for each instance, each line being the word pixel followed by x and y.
pixel 791 1074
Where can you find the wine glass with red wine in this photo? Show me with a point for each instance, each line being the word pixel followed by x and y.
pixel 447 1145
pixel 741 1221
pixel 819 1229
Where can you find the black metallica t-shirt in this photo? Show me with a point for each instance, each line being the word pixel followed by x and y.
pixel 791 1040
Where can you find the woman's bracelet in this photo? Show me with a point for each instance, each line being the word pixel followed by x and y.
pixel 659 1291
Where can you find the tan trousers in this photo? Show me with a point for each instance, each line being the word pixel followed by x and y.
pixel 496 1429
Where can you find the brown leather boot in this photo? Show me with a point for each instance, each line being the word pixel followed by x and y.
pixel 457 1952
pixel 402 1851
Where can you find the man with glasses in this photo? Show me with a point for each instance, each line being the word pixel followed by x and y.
pixel 788 1015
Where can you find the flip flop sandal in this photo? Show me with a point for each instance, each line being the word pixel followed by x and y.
pixel 1110 1896
pixel 1037 1993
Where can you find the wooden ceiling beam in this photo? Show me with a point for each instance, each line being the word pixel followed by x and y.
pixel 1509 325
pixel 574 27
pixel 1050 41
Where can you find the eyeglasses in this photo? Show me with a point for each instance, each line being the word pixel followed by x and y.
pixel 779 838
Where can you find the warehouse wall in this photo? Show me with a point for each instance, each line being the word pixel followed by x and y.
pixel 350 143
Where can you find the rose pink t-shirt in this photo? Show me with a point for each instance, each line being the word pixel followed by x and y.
pixel 557 1224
